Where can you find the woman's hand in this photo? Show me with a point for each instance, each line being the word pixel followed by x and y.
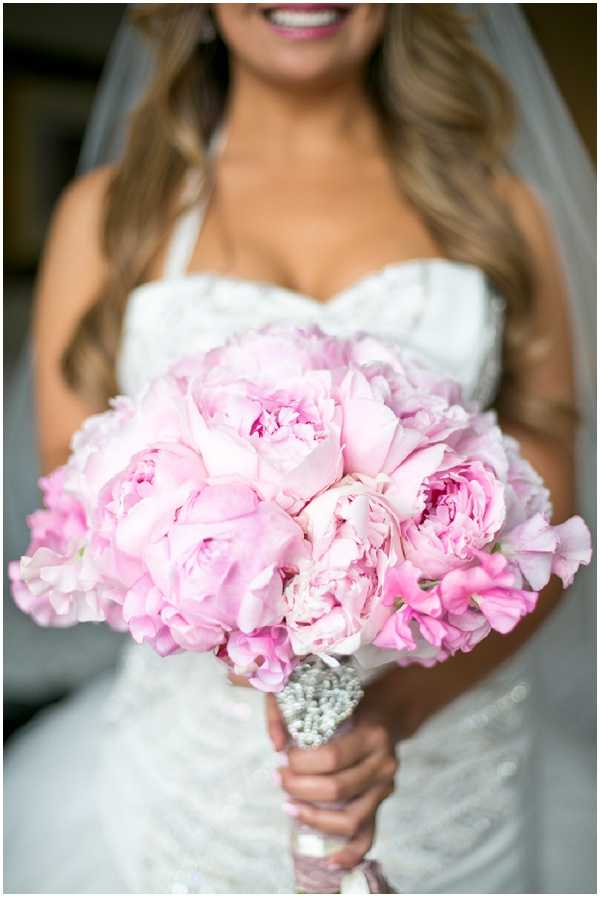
pixel 358 768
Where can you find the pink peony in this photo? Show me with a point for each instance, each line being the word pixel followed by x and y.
pixel 264 657
pixel 283 438
pixel 272 354
pixel 459 508
pixel 526 494
pixel 219 567
pixel 411 376
pixel 105 444
pixel 387 416
pixel 335 603
pixel 138 505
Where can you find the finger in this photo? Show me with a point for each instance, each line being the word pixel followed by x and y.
pixel 349 783
pixel 339 753
pixel 349 819
pixel 275 724
pixel 355 850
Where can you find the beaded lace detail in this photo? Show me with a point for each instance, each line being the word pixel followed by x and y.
pixel 186 786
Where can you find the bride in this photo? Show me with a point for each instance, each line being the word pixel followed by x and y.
pixel 346 166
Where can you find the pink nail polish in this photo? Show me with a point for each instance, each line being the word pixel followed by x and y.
pixel 290 809
pixel 281 758
pixel 276 777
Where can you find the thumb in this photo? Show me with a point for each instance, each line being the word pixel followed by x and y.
pixel 275 724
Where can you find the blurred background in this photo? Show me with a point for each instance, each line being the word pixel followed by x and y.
pixel 53 58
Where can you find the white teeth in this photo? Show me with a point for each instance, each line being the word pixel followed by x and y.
pixel 292 18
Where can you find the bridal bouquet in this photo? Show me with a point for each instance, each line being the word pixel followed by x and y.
pixel 296 503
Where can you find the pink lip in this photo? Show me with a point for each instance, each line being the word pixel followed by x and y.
pixel 310 32
pixel 306 6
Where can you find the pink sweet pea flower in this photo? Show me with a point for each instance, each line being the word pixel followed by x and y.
pixel 416 637
pixel 403 586
pixel 264 657
pixel 56 581
pixel 491 587
pixel 574 548
pixel 417 615
pixel 531 546
pixel 465 631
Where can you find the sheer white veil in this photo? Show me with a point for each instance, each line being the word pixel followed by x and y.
pixel 550 155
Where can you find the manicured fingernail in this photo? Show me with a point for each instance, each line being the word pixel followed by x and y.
pixel 276 777
pixel 281 758
pixel 290 809
pixel 334 866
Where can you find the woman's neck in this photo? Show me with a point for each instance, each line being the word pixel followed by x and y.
pixel 283 124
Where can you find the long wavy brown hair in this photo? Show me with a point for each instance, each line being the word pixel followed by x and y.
pixel 449 117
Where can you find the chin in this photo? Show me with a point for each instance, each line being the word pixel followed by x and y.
pixel 301 43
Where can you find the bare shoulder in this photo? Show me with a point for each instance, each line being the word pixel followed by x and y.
pixel 80 206
pixel 73 263
pixel 89 189
pixel 552 376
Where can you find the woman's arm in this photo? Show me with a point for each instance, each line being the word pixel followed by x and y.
pixel 551 377
pixel 360 767
pixel 71 271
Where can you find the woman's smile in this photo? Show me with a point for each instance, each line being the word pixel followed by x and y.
pixel 306 21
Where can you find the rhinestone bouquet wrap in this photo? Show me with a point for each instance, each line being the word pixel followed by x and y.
pixel 316 704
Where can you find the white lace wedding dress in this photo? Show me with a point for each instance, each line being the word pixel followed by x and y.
pixel 159 778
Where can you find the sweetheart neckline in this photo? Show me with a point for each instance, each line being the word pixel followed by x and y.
pixel 398 267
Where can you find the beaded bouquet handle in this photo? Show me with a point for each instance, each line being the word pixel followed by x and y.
pixel 317 705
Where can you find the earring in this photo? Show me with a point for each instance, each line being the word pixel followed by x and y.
pixel 207 32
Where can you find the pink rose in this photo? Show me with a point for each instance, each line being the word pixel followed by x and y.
pixel 282 437
pixel 264 657
pixel 335 603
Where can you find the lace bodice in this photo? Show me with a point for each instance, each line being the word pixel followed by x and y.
pixel 442 309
